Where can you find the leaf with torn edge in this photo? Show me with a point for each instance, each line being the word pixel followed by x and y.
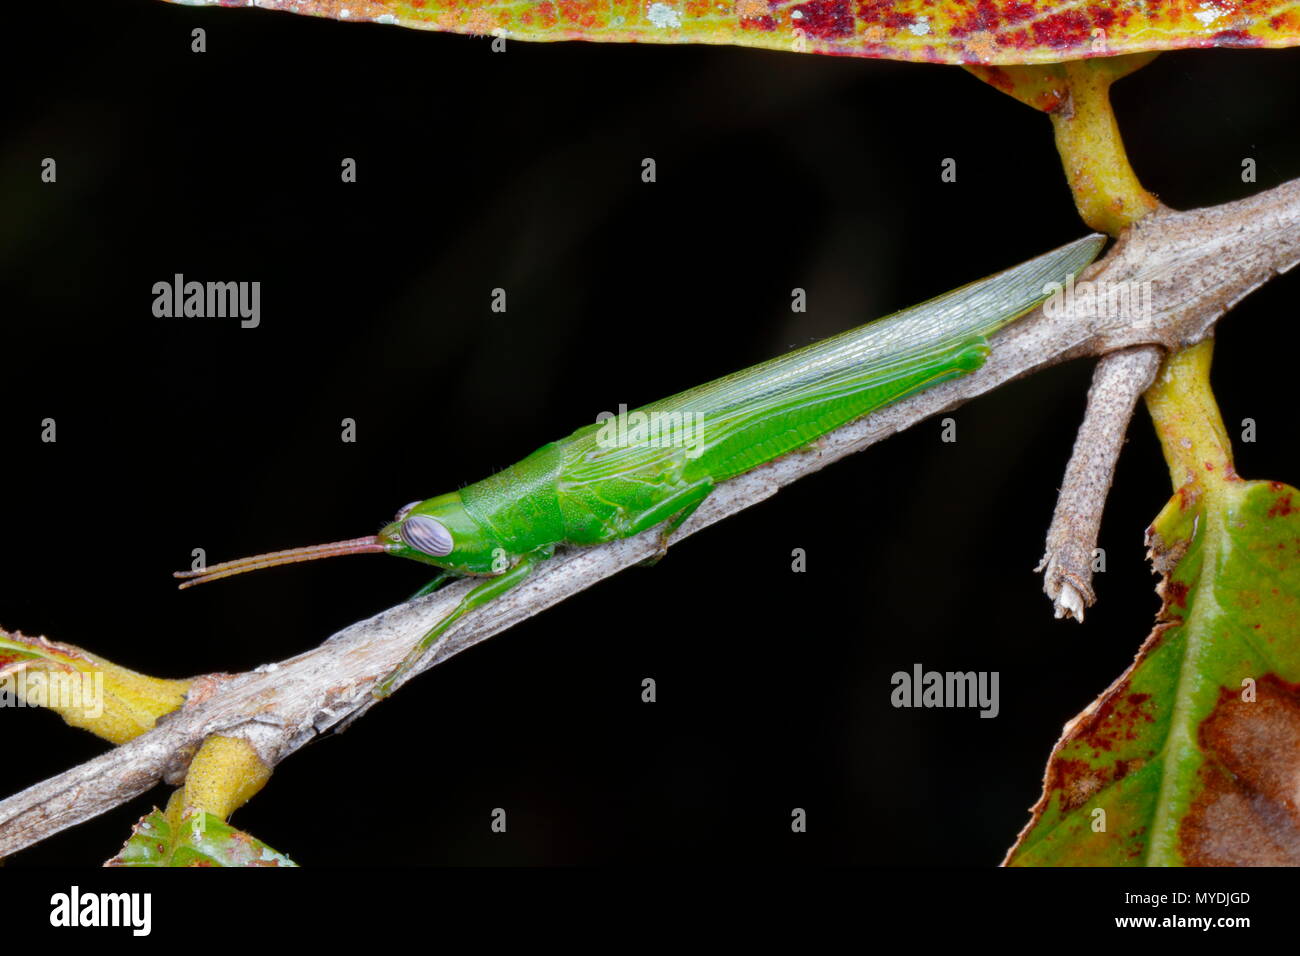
pixel 981 31
pixel 199 839
pixel 1192 757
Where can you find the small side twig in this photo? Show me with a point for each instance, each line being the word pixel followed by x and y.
pixel 1067 565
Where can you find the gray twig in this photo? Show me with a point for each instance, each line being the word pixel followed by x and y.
pixel 1067 566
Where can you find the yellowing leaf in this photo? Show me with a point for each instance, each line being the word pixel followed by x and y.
pixel 84 689
pixel 956 31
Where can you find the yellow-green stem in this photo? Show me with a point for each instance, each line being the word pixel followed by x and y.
pixel 111 701
pixel 1188 422
pixel 223 775
pixel 1107 193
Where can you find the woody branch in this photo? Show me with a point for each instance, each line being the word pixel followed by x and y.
pixel 1199 264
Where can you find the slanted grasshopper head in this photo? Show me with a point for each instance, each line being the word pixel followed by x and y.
pixel 437 531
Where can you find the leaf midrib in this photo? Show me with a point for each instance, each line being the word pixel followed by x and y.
pixel 1161 849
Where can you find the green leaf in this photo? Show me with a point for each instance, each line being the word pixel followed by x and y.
pixel 200 839
pixel 1193 754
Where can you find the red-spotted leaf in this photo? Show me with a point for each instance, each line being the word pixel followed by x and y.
pixel 1193 756
pixel 199 839
pixel 936 31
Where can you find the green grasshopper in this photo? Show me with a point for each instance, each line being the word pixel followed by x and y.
pixel 618 477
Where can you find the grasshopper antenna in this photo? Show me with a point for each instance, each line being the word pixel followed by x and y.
pixel 367 545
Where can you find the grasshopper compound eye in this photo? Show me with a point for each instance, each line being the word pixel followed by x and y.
pixel 406 510
pixel 428 535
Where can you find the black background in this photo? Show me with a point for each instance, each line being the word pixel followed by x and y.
pixel 522 170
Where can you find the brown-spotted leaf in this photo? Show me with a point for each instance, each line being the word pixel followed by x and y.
pixel 197 839
pixel 936 31
pixel 1193 756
